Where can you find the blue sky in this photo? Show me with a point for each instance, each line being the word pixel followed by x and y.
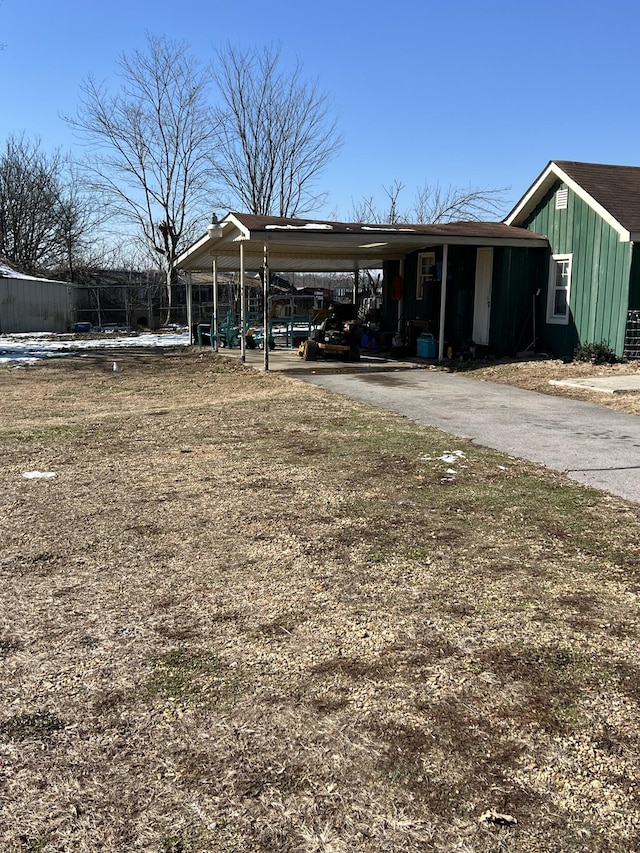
pixel 465 92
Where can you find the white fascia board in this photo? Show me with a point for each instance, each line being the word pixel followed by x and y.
pixel 205 245
pixel 199 244
pixel 552 173
pixel 533 191
pixel 243 231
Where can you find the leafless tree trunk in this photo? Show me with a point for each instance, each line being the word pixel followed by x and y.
pixel 275 134
pixel 152 144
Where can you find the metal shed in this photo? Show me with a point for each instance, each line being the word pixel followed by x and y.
pixel 30 304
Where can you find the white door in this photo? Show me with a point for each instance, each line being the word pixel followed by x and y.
pixel 482 298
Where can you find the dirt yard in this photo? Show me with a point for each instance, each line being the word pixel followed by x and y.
pixel 246 615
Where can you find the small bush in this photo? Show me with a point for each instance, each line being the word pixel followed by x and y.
pixel 596 353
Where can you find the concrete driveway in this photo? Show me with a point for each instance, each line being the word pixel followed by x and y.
pixel 592 444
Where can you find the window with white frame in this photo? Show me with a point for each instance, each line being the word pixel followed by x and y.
pixel 426 272
pixel 559 289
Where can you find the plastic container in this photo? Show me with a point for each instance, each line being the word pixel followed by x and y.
pixel 426 346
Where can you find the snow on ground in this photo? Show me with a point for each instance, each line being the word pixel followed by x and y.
pixel 30 348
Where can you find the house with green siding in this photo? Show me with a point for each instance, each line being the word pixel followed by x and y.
pixel 468 285
pixel 485 301
pixel 562 269
pixel 590 215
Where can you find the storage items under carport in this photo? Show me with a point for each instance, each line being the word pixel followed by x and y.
pixel 426 346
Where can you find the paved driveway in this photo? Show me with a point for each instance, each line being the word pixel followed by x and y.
pixel 592 444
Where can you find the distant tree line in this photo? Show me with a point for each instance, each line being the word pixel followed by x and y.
pixel 163 151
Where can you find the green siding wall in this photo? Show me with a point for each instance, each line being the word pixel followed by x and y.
pixel 600 275
pixel 517 274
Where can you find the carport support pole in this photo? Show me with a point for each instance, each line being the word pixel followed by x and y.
pixel 265 306
pixel 243 307
pixel 443 300
pixel 215 302
pixel 189 308
pixel 400 330
pixel 356 285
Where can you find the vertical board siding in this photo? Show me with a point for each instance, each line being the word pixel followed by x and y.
pixel 600 274
pixel 516 277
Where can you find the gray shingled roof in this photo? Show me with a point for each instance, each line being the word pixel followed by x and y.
pixel 616 188
pixel 313 245
pixel 465 230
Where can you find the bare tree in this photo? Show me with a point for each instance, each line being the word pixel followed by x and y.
pixel 29 190
pixel 79 213
pixel 152 145
pixel 367 210
pixel 46 213
pixel 276 135
pixel 432 204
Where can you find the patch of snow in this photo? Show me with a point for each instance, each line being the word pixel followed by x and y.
pixel 39 475
pixel 7 272
pixel 314 226
pixel 29 348
pixel 381 228
pixel 450 458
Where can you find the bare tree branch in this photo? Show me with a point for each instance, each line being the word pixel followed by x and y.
pixel 79 214
pixel 29 190
pixel 275 134
pixel 152 143
pixel 46 210
pixel 432 204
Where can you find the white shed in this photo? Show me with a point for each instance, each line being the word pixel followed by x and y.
pixel 30 304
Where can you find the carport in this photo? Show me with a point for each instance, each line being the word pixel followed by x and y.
pixel 248 243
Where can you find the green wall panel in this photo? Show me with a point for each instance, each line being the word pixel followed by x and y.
pixel 601 268
pixel 517 276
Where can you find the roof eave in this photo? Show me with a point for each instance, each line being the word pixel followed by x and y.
pixel 345 248
pixel 543 184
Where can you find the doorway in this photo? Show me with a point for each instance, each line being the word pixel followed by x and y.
pixel 482 296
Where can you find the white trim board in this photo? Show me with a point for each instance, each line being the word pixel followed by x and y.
pixel 551 174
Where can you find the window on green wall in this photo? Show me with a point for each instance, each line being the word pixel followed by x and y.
pixel 559 289
pixel 426 272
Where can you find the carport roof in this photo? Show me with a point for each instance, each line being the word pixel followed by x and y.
pixel 313 245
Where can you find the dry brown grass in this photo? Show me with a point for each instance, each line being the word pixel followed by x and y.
pixel 247 615
pixel 535 375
